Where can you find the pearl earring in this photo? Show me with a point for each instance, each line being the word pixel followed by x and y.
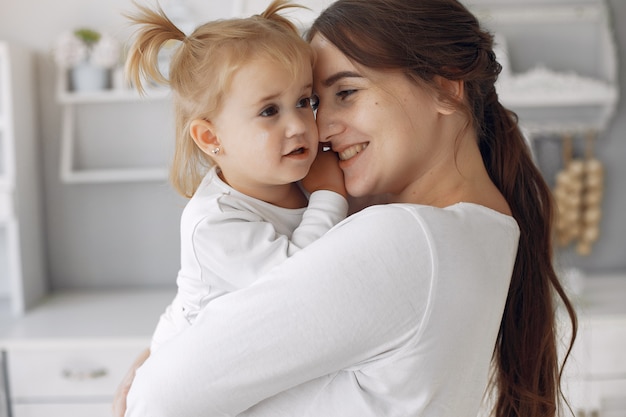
pixel 215 151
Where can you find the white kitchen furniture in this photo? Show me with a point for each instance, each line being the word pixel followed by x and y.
pixel 553 90
pixel 596 374
pixel 67 356
pixel 22 279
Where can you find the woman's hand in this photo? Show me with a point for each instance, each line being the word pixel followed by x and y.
pixel 119 399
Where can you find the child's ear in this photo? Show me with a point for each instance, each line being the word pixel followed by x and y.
pixel 203 134
pixel 454 89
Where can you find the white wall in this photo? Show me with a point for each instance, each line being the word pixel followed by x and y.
pixel 97 235
pixel 107 235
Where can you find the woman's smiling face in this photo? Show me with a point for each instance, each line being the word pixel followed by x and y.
pixel 383 126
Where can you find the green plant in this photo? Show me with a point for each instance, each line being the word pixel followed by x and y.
pixel 89 36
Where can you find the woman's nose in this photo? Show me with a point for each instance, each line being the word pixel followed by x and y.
pixel 327 125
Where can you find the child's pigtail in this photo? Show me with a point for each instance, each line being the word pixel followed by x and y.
pixel 272 13
pixel 143 57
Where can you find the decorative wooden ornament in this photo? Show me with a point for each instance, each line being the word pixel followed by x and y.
pixel 592 199
pixel 568 195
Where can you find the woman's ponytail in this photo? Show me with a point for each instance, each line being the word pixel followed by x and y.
pixel 528 387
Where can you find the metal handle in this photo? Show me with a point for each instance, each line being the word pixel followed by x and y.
pixel 81 375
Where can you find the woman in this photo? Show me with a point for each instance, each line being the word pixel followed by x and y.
pixel 403 309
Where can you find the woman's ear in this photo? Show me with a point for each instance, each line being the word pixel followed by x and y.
pixel 203 134
pixel 454 92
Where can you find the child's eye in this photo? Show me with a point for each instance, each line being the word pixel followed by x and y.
pixel 304 102
pixel 269 111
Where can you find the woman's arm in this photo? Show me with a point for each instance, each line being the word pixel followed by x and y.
pixel 345 299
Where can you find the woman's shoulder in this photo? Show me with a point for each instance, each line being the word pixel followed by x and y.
pixel 460 211
pixel 417 212
pixel 413 221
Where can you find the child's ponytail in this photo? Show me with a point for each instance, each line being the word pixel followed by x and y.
pixel 155 31
pixel 272 13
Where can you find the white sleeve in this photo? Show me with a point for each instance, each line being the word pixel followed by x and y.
pixel 325 210
pixel 240 246
pixel 170 323
pixel 340 301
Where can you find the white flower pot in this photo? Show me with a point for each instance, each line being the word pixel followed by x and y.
pixel 85 77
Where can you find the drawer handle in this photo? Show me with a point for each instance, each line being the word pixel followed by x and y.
pixel 74 375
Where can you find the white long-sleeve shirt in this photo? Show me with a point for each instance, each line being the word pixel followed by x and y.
pixel 393 313
pixel 229 239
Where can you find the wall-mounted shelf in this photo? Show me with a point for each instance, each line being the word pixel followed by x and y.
pixel 111 96
pixel 575 89
pixel 70 100
pixel 549 101
pixel 536 13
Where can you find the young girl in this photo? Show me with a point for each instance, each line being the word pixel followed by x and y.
pixel 245 133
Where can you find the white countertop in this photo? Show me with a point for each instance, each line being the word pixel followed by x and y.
pixel 75 318
pixel 72 318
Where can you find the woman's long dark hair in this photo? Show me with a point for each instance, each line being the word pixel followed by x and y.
pixel 429 38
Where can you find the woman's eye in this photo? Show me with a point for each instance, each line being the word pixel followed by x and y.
pixel 344 93
pixel 269 111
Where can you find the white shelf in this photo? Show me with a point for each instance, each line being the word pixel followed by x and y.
pixel 70 99
pixel 94 176
pixel 575 89
pixel 571 99
pixel 111 96
pixel 539 13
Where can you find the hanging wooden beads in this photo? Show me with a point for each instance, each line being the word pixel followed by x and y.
pixel 578 193
pixel 568 195
pixel 592 199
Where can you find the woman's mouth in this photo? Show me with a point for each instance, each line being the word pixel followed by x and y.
pixel 352 151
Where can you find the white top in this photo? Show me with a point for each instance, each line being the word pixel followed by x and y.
pixel 394 312
pixel 229 239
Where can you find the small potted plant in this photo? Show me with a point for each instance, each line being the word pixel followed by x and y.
pixel 88 56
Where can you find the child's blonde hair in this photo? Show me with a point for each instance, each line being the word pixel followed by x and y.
pixel 203 66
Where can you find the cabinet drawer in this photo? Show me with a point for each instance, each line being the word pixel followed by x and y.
pixel 65 410
pixel 36 375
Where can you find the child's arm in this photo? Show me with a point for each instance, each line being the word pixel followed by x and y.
pixel 327 204
pixel 325 174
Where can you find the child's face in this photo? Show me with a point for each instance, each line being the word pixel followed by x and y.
pixel 266 127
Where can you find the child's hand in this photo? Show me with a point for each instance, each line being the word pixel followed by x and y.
pixel 325 174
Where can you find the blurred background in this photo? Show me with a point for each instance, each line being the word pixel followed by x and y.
pixel 122 231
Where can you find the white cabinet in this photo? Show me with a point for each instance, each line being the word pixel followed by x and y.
pixel 22 280
pixel 67 356
pixel 559 60
pixel 67 381
pixel 596 373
